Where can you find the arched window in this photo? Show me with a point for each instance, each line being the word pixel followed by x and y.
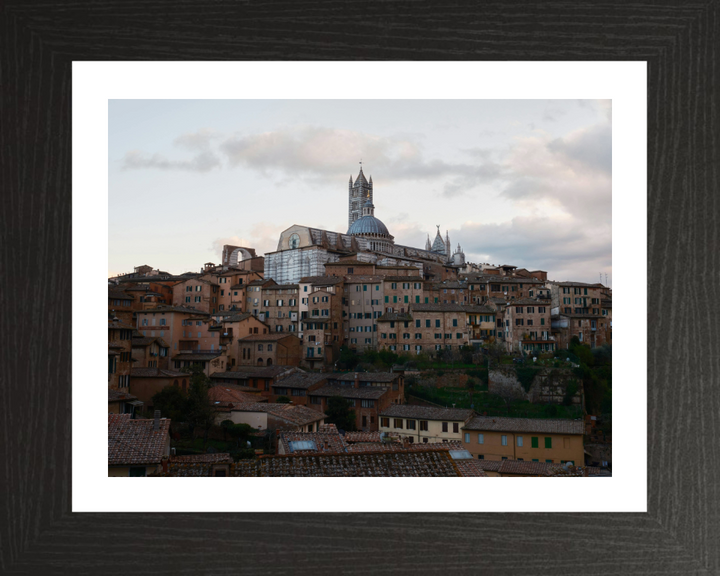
pixel 259 361
pixel 269 361
pixel 175 383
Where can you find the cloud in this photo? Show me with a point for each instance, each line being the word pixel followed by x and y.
pixel 567 248
pixel 326 153
pixel 202 162
pixel 199 140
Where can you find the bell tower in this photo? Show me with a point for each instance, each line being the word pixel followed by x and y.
pixel 358 193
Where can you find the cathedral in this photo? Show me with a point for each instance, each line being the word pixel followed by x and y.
pixel 304 251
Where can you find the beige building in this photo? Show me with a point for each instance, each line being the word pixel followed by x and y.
pixel 423 424
pixel 528 327
pixel 525 439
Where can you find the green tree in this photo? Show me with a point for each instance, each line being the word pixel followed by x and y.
pixel 171 403
pixel 348 359
pixel 339 413
pixel 199 412
pixel 238 432
pixel 282 400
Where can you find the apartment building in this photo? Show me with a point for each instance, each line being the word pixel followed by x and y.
pixel 423 424
pixel 197 293
pixel 119 354
pixel 528 327
pixel 528 439
pixel 279 307
pixel 363 304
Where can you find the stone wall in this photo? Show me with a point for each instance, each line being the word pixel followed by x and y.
pixel 549 385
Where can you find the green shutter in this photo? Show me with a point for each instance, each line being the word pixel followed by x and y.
pixel 548 442
pixel 387 299
pixel 406 299
pixel 535 442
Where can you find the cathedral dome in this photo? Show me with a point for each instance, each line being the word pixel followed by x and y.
pixel 367 225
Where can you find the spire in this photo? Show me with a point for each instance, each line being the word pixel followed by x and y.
pixel 428 246
pixel 438 245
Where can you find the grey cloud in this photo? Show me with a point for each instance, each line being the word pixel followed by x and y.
pixel 568 250
pixel 199 140
pixel 590 147
pixel 325 153
pixel 203 162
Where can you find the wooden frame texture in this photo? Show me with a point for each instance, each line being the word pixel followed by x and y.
pixel 680 534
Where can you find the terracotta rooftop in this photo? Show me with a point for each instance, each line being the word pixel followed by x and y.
pixel 243 373
pixel 117 396
pixel 438 308
pixel 366 376
pixel 157 373
pixel 526 467
pixel 395 317
pixel 427 413
pixel 326 440
pixel 117 325
pixel 354 437
pixel 119 295
pixel 364 392
pixel 183 309
pixel 529 425
pixel 134 441
pixel 404 278
pixel 302 380
pixel 271 337
pixel 428 463
pixel 299 415
pixel 282 287
pixel 188 355
pixel 321 280
pixel 227 394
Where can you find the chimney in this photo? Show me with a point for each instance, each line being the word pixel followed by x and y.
pixel 156 421
pixel 357 380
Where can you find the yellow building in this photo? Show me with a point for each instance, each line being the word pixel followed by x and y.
pixel 424 424
pixel 525 439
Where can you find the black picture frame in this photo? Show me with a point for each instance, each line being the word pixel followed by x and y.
pixel 680 532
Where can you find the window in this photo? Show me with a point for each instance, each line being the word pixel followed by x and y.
pixel 423 425
pixel 548 442
pixel 410 424
pixel 427 323
pixel 444 426
pixel 398 423
pixel 519 441
pixel 385 422
pixel 503 440
pixel 534 442
pixel 368 403
pixel 456 427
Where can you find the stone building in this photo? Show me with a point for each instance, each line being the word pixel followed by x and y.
pixel 528 326
pixel 304 251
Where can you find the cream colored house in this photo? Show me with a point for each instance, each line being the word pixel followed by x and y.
pixel 423 424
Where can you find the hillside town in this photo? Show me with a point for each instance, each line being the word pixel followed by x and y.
pixel 349 354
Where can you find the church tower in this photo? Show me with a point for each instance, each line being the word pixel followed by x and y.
pixel 358 193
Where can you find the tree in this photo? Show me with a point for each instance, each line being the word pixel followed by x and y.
pixel 171 403
pixel 339 413
pixel 282 400
pixel 238 432
pixel 199 412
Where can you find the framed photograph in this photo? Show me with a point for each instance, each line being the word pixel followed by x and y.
pixel 655 63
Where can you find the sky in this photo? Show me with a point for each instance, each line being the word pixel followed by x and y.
pixel 520 182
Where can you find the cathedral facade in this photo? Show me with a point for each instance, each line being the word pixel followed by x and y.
pixel 304 251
